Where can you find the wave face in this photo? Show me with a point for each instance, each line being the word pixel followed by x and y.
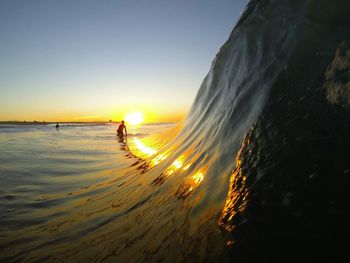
pixel 257 172
pixel 274 110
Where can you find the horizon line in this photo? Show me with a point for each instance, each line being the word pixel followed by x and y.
pixel 49 122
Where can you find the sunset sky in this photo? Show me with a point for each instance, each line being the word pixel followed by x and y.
pixel 82 60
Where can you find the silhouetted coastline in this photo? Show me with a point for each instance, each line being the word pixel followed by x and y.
pixel 50 122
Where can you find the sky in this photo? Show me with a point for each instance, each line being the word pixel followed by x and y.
pixel 83 60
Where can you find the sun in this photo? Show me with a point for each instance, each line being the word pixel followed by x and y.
pixel 134 118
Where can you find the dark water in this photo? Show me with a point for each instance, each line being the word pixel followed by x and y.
pixel 259 171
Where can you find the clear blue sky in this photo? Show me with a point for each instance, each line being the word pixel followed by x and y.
pixel 91 59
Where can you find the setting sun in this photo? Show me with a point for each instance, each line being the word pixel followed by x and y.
pixel 134 118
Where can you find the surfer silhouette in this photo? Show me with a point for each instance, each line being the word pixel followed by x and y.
pixel 121 129
pixel 57 125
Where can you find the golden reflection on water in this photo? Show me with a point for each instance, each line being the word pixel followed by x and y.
pixel 143 148
pixel 191 183
pixel 180 165
pixel 147 150
pixel 176 165
pixel 186 167
pixel 236 199
pixel 157 159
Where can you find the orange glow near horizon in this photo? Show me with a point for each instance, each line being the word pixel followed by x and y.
pixel 90 111
pixel 148 116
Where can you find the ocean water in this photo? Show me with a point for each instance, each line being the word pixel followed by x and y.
pixel 48 176
pixel 258 171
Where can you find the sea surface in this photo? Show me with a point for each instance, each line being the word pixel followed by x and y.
pixel 53 178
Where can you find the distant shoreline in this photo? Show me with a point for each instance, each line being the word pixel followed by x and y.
pixel 48 122
pixel 72 122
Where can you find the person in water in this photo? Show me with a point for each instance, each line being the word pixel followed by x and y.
pixel 57 125
pixel 121 129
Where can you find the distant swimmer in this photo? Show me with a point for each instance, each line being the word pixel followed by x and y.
pixel 57 125
pixel 121 129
